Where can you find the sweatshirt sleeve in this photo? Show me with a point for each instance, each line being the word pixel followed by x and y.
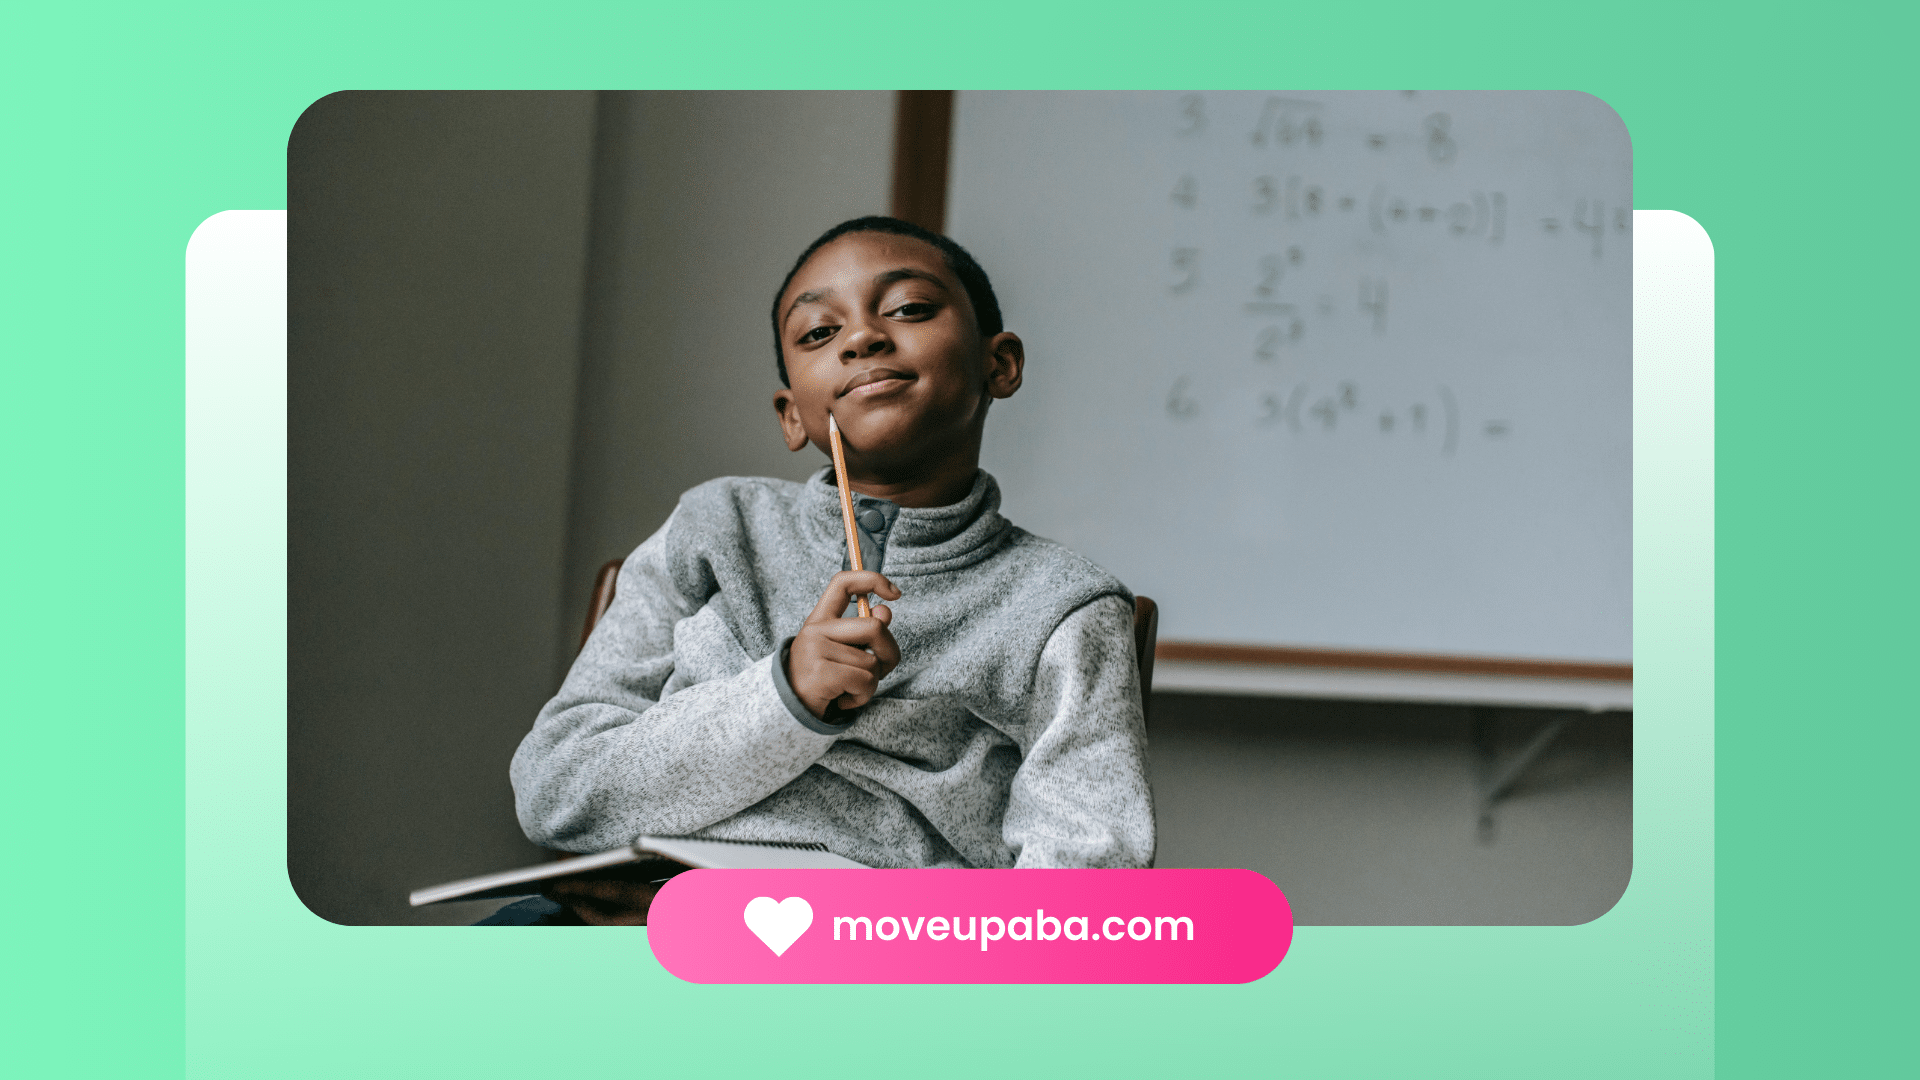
pixel 1080 798
pixel 610 758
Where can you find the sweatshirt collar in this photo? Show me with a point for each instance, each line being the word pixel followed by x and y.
pixel 920 540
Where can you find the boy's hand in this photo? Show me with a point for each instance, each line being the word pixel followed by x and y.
pixel 836 661
pixel 616 896
pixel 605 903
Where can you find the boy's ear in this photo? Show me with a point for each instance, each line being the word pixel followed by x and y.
pixel 1006 364
pixel 791 429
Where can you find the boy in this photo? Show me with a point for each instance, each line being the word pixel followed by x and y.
pixel 988 715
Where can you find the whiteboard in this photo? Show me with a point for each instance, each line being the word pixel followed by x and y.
pixel 1326 370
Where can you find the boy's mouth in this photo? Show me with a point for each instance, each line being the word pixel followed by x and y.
pixel 874 381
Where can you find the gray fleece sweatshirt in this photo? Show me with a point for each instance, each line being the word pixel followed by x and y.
pixel 1010 734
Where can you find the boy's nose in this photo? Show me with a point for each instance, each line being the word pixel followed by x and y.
pixel 865 342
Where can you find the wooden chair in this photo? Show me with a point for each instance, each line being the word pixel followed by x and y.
pixel 1146 623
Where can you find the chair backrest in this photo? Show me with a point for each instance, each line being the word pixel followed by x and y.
pixel 1146 623
pixel 602 599
pixel 1146 630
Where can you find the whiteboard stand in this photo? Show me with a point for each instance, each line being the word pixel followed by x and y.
pixel 1497 781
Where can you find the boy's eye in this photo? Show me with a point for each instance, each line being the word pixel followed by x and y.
pixel 818 333
pixel 913 310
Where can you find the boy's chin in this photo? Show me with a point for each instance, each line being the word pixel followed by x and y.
pixel 871 433
pixel 892 449
pixel 886 455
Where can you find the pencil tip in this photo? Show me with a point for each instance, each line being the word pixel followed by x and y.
pixel 832 424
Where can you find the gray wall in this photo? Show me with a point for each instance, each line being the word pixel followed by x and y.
pixel 702 202
pixel 1367 813
pixel 518 326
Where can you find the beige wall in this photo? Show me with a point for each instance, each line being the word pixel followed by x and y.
pixel 519 326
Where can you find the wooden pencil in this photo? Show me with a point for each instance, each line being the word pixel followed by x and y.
pixel 846 508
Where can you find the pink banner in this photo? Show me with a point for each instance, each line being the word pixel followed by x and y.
pixel 970 926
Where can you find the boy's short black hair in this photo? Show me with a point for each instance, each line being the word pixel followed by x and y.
pixel 986 307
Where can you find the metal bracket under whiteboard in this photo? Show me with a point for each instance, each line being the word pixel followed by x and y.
pixel 1277 680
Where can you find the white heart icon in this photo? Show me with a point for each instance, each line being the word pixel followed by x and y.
pixel 779 925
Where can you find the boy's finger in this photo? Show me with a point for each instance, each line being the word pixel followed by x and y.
pixel 852 630
pixel 871 635
pixel 879 656
pixel 885 649
pixel 850 683
pixel 850 656
pixel 853 699
pixel 846 585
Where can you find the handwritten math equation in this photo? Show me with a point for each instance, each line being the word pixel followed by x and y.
pixel 1463 215
pixel 1285 122
pixel 1480 215
pixel 1431 421
pixel 1264 298
pixel 1307 207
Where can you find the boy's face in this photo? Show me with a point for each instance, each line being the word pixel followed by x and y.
pixel 878 330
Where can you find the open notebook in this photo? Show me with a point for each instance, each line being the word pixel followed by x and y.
pixel 671 852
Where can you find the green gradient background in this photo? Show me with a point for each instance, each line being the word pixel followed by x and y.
pixel 1784 133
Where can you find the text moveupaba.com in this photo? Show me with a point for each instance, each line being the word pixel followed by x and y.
pixel 1037 927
